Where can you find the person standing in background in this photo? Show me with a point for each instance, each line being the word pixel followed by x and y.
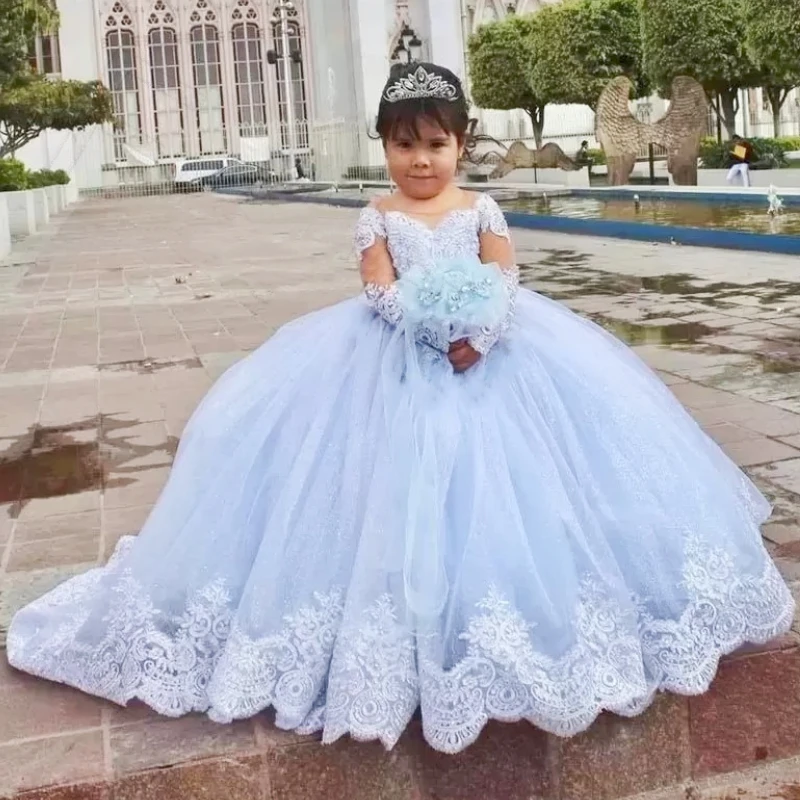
pixel 741 155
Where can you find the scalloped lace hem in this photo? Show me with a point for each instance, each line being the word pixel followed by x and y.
pixel 365 677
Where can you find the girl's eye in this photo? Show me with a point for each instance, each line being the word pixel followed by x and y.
pixel 439 145
pixel 402 145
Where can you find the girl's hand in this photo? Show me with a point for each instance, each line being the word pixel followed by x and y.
pixel 462 356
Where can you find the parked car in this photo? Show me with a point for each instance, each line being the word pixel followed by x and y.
pixel 191 169
pixel 237 175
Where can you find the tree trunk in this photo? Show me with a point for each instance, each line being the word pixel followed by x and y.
pixel 776 123
pixel 727 108
pixel 537 121
pixel 777 97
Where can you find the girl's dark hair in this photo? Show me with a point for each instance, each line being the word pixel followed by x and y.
pixel 403 116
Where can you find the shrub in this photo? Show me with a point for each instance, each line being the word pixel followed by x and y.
pixel 789 143
pixel 13 175
pixel 598 156
pixel 766 153
pixel 47 177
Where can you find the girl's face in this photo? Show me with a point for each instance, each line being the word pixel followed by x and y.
pixel 423 166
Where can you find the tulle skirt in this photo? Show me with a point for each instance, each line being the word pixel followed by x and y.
pixel 544 537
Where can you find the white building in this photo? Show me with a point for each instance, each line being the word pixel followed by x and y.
pixel 261 79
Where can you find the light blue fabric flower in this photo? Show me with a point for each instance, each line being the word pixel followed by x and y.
pixel 461 294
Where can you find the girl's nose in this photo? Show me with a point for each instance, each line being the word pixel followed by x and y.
pixel 421 158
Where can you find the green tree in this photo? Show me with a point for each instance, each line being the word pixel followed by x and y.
pixel 32 104
pixel 772 39
pixel 20 22
pixel 499 56
pixel 703 39
pixel 581 45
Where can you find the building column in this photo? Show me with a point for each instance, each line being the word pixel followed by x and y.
pixel 230 109
pixel 191 137
pixel 446 45
pixel 371 29
pixel 145 77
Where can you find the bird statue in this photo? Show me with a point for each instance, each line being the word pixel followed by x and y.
pixel 678 132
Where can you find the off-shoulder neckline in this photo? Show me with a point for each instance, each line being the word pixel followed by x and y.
pixel 441 221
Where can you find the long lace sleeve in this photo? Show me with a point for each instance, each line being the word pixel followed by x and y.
pixel 380 284
pixel 380 293
pixel 491 220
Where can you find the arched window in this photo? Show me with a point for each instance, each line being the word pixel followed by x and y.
pixel 163 46
pixel 124 87
pixel 248 65
pixel 291 82
pixel 207 70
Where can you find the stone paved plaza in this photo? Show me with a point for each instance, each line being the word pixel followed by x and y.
pixel 116 321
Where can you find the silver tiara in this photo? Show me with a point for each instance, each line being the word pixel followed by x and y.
pixel 420 84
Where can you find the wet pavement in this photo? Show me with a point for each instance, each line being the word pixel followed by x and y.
pixel 115 322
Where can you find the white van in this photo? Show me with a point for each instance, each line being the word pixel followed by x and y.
pixel 189 169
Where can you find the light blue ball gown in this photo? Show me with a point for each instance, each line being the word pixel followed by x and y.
pixel 587 545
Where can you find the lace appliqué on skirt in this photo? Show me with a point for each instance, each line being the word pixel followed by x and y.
pixel 365 673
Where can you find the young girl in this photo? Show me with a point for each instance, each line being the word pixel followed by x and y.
pixel 526 526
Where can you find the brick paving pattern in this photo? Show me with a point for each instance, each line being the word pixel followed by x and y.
pixel 117 320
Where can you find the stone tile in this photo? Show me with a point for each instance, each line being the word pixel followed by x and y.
pixel 51 761
pixel 32 530
pixel 508 760
pixel 742 344
pixel 773 422
pixel 671 380
pixel 39 508
pixel 792 441
pixel 785 504
pixel 6 526
pixel 268 735
pixel 145 434
pixel 76 791
pixel 83 548
pixel 696 396
pixel 166 742
pixel 618 757
pixel 346 770
pixel 728 432
pixel 781 533
pixel 753 327
pixel 220 779
pixel 134 712
pixel 752 452
pixel 121 492
pixel 739 414
pixel 772 388
pixel 785 474
pixel 789 641
pixel 31 708
pixel 750 714
pixel 124 521
pixel 20 588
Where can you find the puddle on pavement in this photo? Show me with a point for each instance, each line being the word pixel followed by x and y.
pixel 147 366
pixel 91 454
pixel 634 333
pixel 563 258
pixel 568 269
pixel 777 366
pixel 564 275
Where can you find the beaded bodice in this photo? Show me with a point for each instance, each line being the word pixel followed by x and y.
pixel 412 242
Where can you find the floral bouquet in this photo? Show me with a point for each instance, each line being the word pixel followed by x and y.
pixel 454 298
